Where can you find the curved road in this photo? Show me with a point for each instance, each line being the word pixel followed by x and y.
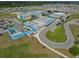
pixel 37 35
pixel 67 44
pixel 50 44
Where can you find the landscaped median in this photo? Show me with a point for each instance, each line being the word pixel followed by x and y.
pixel 58 35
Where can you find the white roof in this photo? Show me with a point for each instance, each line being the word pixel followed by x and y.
pixel 54 15
pixel 61 14
pixel 24 13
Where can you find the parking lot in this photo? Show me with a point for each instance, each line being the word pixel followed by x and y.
pixel 6 23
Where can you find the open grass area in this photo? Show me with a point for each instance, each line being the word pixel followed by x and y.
pixel 58 35
pixel 6 15
pixel 24 20
pixel 28 47
pixel 75 50
pixel 75 31
pixel 65 52
pixel 72 16
pixel 45 15
pixel 20 50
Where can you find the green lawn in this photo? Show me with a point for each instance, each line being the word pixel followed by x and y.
pixel 6 14
pixel 45 15
pixel 58 35
pixel 19 50
pixel 74 50
pixel 14 50
pixel 72 16
pixel 24 20
pixel 75 31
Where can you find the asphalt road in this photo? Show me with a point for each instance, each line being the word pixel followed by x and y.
pixel 67 44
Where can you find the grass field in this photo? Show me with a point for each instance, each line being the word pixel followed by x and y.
pixel 24 20
pixel 58 35
pixel 23 47
pixel 72 16
pixel 75 31
pixel 20 50
pixel 65 52
pixel 6 15
pixel 75 50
